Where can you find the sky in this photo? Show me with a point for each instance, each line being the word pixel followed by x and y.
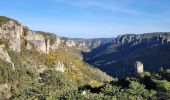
pixel 90 18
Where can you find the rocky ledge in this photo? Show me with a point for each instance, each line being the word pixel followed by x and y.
pixel 145 39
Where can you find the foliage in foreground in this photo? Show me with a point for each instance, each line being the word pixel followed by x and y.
pixel 53 85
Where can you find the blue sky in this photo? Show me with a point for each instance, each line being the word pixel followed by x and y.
pixel 90 18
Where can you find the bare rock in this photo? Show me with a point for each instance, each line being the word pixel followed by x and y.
pixel 60 66
pixel 14 44
pixel 56 43
pixel 28 46
pixel 138 67
pixel 70 43
pixel 4 56
pixel 5 91
pixel 12 32
pixel 41 45
pixel 3 87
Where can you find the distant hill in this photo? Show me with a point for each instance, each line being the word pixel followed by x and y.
pixel 116 58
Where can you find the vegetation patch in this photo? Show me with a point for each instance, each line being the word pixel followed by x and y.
pixel 4 19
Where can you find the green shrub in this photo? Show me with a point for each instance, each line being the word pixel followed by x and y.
pixel 4 19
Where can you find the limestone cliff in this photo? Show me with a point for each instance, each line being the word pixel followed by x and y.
pixel 12 32
pixel 5 56
pixel 145 39
pixel 117 57
pixel 43 42
pixel 37 50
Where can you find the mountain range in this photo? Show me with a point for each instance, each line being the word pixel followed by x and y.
pixel 117 57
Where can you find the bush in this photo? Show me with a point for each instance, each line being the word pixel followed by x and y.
pixel 4 19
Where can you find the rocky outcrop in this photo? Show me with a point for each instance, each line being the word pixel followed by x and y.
pixel 12 32
pixel 56 43
pixel 121 39
pixel 5 89
pixel 70 43
pixel 59 66
pixel 92 43
pixel 38 40
pixel 80 44
pixel 144 39
pixel 43 42
pixel 28 46
pixel 4 56
pixel 138 67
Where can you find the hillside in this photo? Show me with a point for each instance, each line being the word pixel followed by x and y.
pixel 116 58
pixel 26 55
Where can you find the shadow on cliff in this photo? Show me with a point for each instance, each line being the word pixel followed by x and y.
pixel 117 60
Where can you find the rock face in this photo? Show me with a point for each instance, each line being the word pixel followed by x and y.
pixel 144 39
pixel 12 32
pixel 40 44
pixel 92 43
pixel 138 67
pixel 56 43
pixel 117 56
pixel 4 56
pixel 15 33
pixel 70 43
